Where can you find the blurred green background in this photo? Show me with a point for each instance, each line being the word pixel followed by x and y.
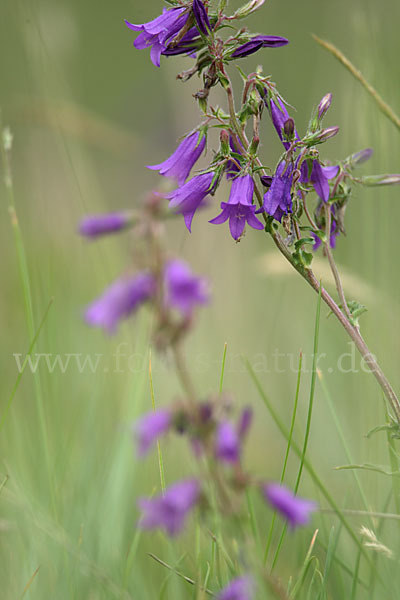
pixel 88 112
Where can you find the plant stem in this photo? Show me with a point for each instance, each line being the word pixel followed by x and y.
pixel 332 264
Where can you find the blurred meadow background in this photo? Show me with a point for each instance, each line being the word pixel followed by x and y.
pixel 88 112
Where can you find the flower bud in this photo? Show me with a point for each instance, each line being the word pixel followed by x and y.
pixel 224 140
pixel 288 128
pixel 248 8
pixel 266 180
pixel 324 105
pixel 373 180
pixel 359 157
pixel 321 136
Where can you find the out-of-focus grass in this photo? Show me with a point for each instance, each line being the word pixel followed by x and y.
pixel 88 112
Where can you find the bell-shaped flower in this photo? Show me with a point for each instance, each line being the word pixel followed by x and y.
pixel 227 443
pixel 258 42
pixel 94 226
pixel 241 588
pixel 201 16
pixel 184 290
pixel 295 510
pixel 170 510
pixel 187 198
pixel 181 162
pixel 319 177
pixel 150 427
pixel 160 31
pixel 120 300
pixel 278 199
pixel 239 208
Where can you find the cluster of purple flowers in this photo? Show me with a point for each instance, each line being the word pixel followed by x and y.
pixel 170 510
pixel 181 291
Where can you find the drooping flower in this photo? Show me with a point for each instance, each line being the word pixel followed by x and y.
pixel 279 116
pixel 240 588
pixel 181 162
pixel 150 427
pixel 227 443
pixel 169 511
pixel 159 32
pixel 258 42
pixel 96 225
pixel 120 300
pixel 296 510
pixel 183 290
pixel 187 198
pixel 319 177
pixel 278 199
pixel 239 208
pixel 201 16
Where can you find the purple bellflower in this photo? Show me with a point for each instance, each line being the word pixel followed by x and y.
pixel 170 510
pixel 279 116
pixel 239 209
pixel 278 199
pixel 150 427
pixel 159 32
pixel 227 444
pixel 180 163
pixel 201 16
pixel 120 300
pixel 187 198
pixel 258 42
pixel 183 289
pixel 94 226
pixel 319 178
pixel 296 510
pixel 240 588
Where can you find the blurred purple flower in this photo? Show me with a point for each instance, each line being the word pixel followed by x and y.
pixel 201 16
pixel 180 163
pixel 119 300
pixel 150 427
pixel 278 199
pixel 258 42
pixel 240 588
pixel 183 289
pixel 239 209
pixel 296 510
pixel 96 225
pixel 245 421
pixel 170 510
pixel 187 198
pixel 319 177
pixel 227 443
pixel 279 116
pixel 159 32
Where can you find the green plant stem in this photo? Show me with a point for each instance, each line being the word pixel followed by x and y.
pixel 332 264
pixel 384 106
pixel 6 145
